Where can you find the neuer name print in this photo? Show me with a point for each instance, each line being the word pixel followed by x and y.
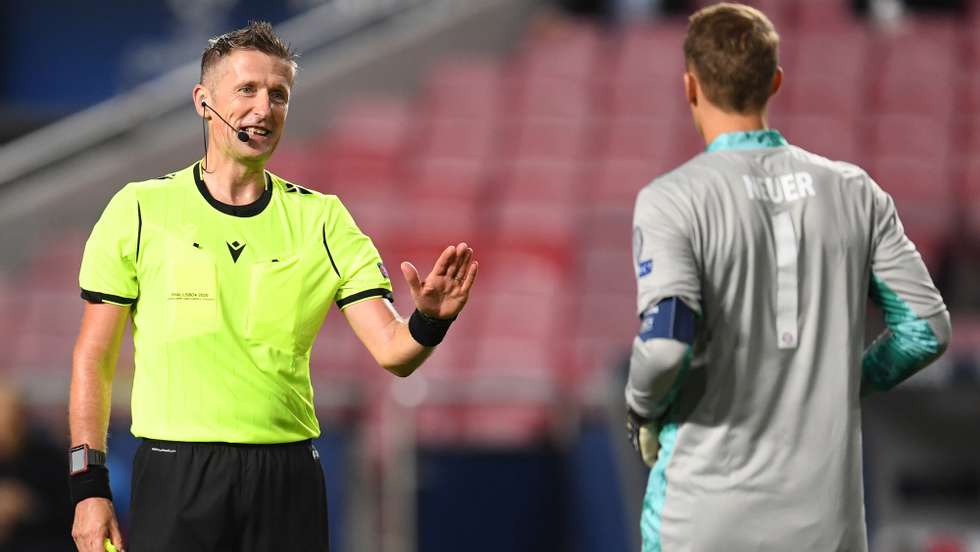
pixel 779 189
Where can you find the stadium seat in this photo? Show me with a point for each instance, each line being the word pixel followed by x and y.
pixel 969 200
pixel 663 142
pixel 463 87
pixel 568 54
pixel 533 180
pixel 616 182
pixel 834 138
pixel 609 268
pixel 909 94
pixel 911 136
pixel 812 93
pixel 924 195
pixel 466 139
pixel 840 54
pixel 650 52
pixel 825 15
pixel 651 97
pixel 546 139
pixel 442 178
pixel 539 96
pixel 368 129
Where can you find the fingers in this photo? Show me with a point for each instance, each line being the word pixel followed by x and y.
pixel 462 264
pixel 116 535
pixel 446 260
pixel 411 275
pixel 470 276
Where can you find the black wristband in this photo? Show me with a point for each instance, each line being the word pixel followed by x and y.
pixel 428 332
pixel 92 483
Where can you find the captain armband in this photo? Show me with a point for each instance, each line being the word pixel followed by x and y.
pixel 671 318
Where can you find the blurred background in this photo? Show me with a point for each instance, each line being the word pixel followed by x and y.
pixel 525 128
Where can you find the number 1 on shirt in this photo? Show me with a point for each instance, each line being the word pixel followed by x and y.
pixel 787 280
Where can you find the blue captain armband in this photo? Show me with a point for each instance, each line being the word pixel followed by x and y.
pixel 671 318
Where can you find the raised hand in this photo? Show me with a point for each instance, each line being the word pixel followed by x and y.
pixel 446 289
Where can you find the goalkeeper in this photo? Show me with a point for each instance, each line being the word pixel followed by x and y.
pixel 754 261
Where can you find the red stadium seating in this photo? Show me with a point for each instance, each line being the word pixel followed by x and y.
pixel 839 54
pixel 547 139
pixel 912 136
pixel 810 92
pixel 532 180
pixel 442 178
pixel 467 87
pixel 838 139
pixel 664 142
pixel 467 139
pixel 924 195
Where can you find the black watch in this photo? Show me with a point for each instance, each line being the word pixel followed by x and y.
pixel 81 458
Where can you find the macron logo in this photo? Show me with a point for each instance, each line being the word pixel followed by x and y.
pixel 235 249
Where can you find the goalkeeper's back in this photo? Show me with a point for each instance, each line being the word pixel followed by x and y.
pixel 762 447
pixel 754 263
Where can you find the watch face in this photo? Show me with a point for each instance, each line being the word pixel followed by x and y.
pixel 78 460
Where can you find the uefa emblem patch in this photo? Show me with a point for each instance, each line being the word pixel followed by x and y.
pixel 384 271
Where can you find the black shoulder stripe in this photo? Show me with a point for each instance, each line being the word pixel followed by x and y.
pixel 323 229
pixel 97 297
pixel 378 292
pixel 139 229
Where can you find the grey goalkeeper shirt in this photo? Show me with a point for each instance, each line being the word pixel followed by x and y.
pixel 777 251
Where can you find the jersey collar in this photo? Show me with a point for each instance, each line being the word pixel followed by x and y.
pixel 753 139
pixel 249 210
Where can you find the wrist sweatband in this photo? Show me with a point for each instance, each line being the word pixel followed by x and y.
pixel 428 332
pixel 92 483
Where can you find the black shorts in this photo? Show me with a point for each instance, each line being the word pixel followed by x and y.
pixel 204 497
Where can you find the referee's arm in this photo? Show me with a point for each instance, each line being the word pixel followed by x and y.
pixel 401 345
pixel 93 367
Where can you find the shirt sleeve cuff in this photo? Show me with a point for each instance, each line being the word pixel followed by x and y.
pixel 363 295
pixel 96 297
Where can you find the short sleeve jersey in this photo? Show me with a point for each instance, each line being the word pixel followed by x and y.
pixel 777 250
pixel 226 302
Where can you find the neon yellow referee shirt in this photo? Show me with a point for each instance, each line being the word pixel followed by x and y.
pixel 226 302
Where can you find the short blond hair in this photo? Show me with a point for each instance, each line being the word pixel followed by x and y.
pixel 733 50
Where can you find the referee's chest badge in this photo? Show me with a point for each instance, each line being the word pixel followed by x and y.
pixel 384 271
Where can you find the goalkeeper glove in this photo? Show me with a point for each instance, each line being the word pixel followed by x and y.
pixel 643 434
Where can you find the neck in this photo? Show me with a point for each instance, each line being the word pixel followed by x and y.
pixel 715 122
pixel 230 181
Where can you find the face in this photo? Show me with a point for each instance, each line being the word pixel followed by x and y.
pixel 250 90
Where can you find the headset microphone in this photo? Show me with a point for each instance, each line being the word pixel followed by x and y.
pixel 242 135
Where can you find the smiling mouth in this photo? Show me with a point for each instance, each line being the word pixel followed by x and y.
pixel 256 131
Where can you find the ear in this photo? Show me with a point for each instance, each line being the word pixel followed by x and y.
pixel 777 81
pixel 200 95
pixel 691 88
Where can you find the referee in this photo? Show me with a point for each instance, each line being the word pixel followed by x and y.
pixel 754 262
pixel 228 272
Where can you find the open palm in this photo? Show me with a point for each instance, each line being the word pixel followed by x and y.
pixel 446 289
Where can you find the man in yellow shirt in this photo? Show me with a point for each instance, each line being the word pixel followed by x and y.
pixel 228 272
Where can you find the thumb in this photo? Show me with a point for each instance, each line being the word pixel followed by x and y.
pixel 411 275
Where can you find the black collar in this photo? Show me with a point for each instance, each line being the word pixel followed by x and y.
pixel 249 210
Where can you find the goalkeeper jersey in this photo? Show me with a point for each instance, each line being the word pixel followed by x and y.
pixel 776 250
pixel 226 302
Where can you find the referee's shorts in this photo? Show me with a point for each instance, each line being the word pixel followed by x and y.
pixel 204 497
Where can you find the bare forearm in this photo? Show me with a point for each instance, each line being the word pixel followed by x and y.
pixel 93 367
pixel 402 354
pixel 89 403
